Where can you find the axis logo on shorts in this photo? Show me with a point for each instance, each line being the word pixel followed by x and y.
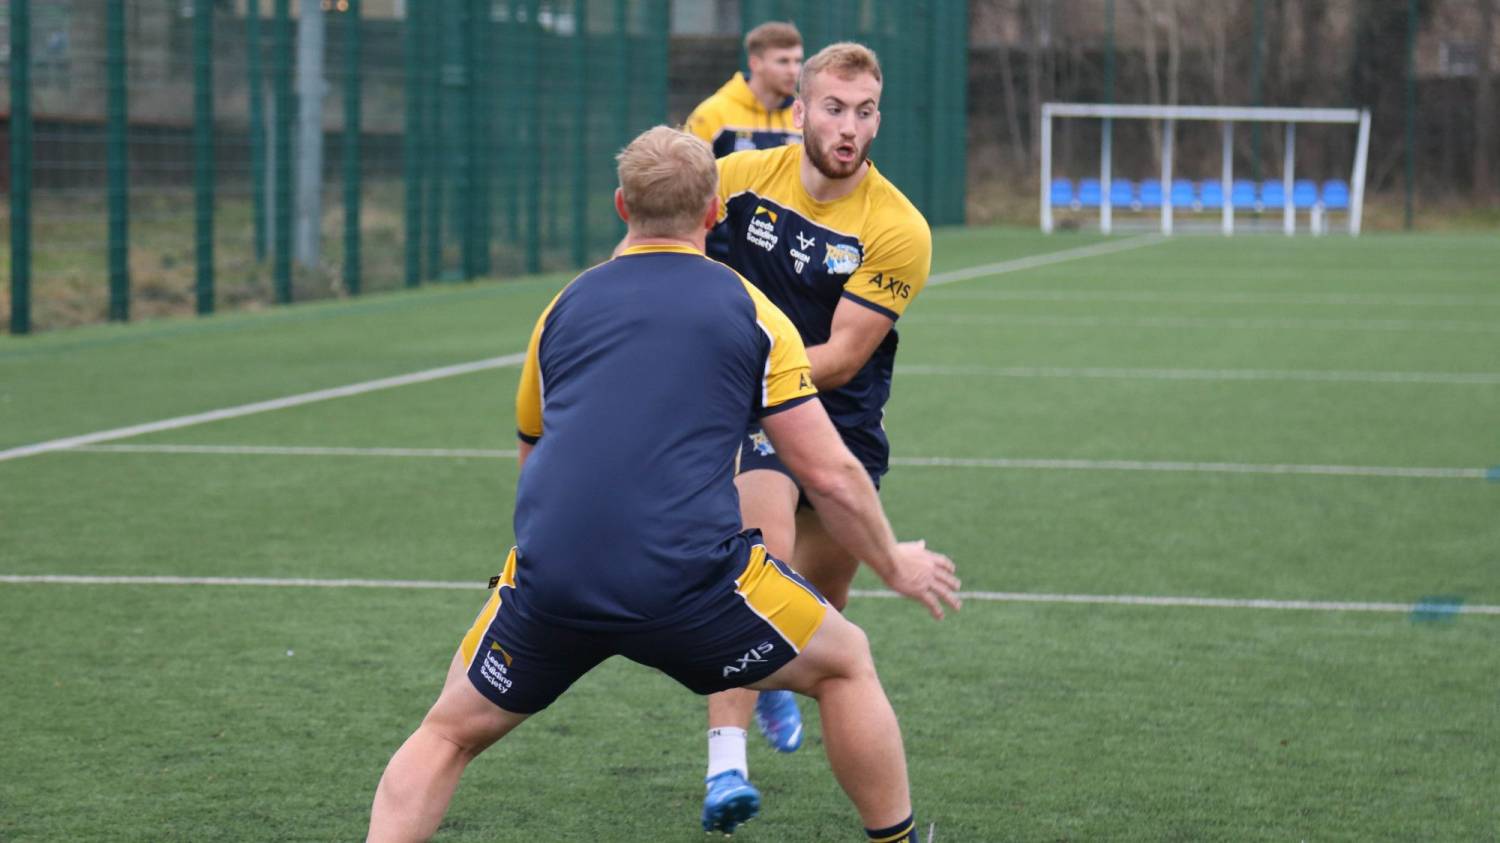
pixel 756 655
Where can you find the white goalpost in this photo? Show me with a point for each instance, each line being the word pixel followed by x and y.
pixel 1168 116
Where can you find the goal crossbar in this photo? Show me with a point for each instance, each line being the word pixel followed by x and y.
pixel 1227 116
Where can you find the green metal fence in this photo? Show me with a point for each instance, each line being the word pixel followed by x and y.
pixel 166 156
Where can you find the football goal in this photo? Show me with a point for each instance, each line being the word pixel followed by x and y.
pixel 1224 196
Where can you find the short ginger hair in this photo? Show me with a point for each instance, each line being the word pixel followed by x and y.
pixel 668 178
pixel 774 35
pixel 846 59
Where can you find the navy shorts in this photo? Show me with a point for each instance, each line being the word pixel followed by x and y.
pixel 757 452
pixel 748 627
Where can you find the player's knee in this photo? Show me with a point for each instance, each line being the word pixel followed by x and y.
pixel 854 659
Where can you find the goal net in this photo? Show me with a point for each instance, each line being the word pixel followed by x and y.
pixel 1316 200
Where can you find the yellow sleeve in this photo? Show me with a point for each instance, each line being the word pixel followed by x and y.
pixel 705 121
pixel 787 379
pixel 529 393
pixel 895 267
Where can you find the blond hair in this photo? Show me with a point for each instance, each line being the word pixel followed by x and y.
pixel 774 35
pixel 668 178
pixel 846 60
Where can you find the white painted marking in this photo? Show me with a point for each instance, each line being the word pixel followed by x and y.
pixel 926 462
pixel 1314 375
pixel 1167 297
pixel 977 596
pixel 1197 467
pixel 1425 325
pixel 1194 602
pixel 1034 261
pixel 301 451
pixel 492 363
pixel 262 406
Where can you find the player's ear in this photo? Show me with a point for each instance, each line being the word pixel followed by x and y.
pixel 620 205
pixel 799 112
pixel 711 219
pixel 877 124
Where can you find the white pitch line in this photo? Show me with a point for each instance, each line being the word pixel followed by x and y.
pixel 261 406
pixel 1198 602
pixel 301 451
pixel 1034 261
pixel 492 363
pixel 1097 373
pixel 1425 325
pixel 1165 297
pixel 1197 467
pixel 977 596
pixel 921 462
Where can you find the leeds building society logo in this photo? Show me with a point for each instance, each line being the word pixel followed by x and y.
pixel 754 656
pixel 800 254
pixel 762 230
pixel 495 672
pixel 840 260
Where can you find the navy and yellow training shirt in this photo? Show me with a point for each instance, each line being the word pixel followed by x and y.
pixel 639 382
pixel 872 247
pixel 733 119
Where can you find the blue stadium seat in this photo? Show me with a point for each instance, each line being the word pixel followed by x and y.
pixel 1212 194
pixel 1242 194
pixel 1183 195
pixel 1336 195
pixel 1089 193
pixel 1304 194
pixel 1122 194
pixel 1272 194
pixel 1062 192
pixel 1151 194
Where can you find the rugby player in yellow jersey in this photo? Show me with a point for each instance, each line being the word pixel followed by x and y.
pixel 755 113
pixel 842 252
pixel 638 382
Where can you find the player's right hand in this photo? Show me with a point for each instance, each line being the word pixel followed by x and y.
pixel 925 576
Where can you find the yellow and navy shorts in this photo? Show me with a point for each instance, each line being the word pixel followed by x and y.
pixel 747 627
pixel 757 452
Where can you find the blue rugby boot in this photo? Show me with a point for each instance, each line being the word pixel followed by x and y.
pixel 779 720
pixel 730 801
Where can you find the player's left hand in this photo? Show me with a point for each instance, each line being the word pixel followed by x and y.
pixel 928 577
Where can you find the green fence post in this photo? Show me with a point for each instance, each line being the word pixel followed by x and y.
pixel 531 157
pixel 580 133
pixel 1411 113
pixel 507 102
pixel 257 128
pixel 480 83
pixel 352 92
pixel 622 79
pixel 432 33
pixel 281 234
pixel 660 28
pixel 958 143
pixel 411 144
pixel 117 164
pixel 203 150
pixel 20 166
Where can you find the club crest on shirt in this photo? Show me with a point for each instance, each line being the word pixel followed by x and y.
pixel 761 443
pixel 840 259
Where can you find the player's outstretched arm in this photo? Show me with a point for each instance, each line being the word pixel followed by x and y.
pixel 850 509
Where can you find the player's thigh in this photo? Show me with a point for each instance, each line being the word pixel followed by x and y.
pixel 465 716
pixel 824 562
pixel 838 650
pixel 768 502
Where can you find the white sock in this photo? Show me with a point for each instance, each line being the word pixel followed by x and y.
pixel 726 751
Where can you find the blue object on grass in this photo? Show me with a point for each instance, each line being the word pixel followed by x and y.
pixel 1437 608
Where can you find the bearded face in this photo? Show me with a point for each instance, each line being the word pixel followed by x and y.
pixel 839 119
